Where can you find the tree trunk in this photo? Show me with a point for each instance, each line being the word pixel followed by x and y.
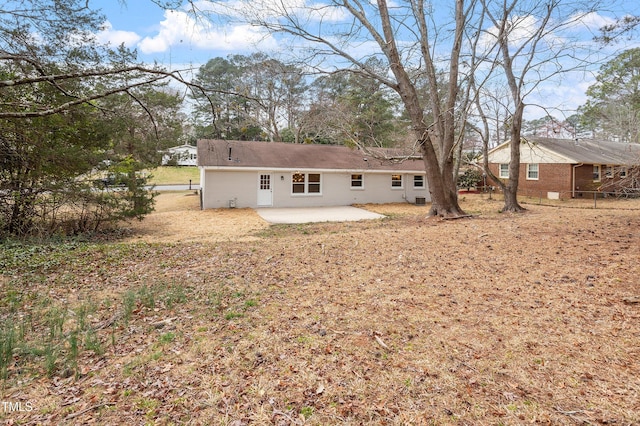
pixel 444 198
pixel 511 188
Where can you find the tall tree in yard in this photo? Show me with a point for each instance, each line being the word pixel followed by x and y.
pixel 530 42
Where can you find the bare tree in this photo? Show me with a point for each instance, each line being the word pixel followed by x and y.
pixel 533 43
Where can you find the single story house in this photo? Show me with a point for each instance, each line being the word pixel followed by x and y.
pixel 183 155
pixel 275 174
pixel 569 168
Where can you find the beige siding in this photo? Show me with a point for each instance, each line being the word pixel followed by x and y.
pixel 529 153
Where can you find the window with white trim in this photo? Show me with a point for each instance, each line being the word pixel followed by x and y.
pixel 596 173
pixel 396 181
pixel 418 181
pixel 622 171
pixel 305 183
pixel 608 172
pixel 532 171
pixel 504 171
pixel 357 181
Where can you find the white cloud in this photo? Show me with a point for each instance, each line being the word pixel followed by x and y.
pixel 180 28
pixel 115 38
pixel 592 21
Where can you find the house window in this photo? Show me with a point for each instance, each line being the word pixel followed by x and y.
pixel 357 181
pixel 532 171
pixel 305 183
pixel 622 172
pixel 418 181
pixel 396 181
pixel 596 173
pixel 314 183
pixel 504 171
pixel 608 172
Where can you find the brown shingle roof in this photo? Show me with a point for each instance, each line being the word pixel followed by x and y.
pixel 223 153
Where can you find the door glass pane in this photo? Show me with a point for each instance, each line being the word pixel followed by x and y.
pixel 265 181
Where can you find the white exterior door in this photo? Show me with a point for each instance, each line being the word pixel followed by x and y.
pixel 265 190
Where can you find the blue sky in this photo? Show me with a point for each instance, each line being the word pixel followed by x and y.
pixel 177 40
pixel 173 38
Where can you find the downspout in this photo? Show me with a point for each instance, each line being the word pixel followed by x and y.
pixel 573 180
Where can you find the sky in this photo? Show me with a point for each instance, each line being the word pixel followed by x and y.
pixel 172 38
pixel 178 41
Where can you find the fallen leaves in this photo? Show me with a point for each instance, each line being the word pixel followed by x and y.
pixel 396 321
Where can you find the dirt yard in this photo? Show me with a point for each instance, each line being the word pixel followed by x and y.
pixel 498 319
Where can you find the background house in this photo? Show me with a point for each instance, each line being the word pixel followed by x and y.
pixel 262 174
pixel 183 155
pixel 563 168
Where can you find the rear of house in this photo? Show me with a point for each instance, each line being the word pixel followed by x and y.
pixel 271 174
pixel 561 168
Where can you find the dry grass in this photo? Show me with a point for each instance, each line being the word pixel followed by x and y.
pixel 178 219
pixel 498 319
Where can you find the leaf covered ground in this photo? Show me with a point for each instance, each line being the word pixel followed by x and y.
pixel 216 318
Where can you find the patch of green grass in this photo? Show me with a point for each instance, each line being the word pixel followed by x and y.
pixel 73 352
pixel 128 305
pixel 233 315
pixel 55 319
pixel 306 412
pixel 147 297
pixel 174 294
pixel 167 338
pixel 168 175
pixel 92 343
pixel 7 345
pixel 50 336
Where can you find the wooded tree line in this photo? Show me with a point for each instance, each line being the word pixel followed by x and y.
pixel 75 114
pixel 257 97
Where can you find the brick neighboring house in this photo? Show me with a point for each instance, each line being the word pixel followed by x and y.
pixel 562 168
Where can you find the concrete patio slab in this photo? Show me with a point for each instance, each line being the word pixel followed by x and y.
pixel 316 214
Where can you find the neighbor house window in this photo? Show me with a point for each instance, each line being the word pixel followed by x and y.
pixel 532 171
pixel 396 181
pixel 357 181
pixel 622 172
pixel 418 181
pixel 504 171
pixel 305 183
pixel 608 172
pixel 596 173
